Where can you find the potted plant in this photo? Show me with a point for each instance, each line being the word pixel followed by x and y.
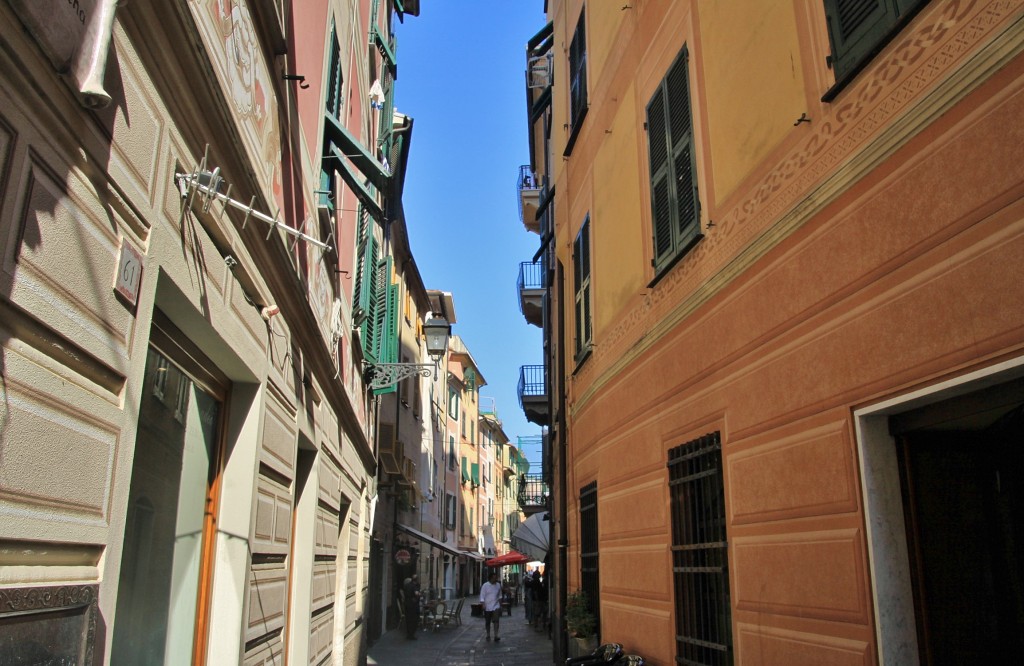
pixel 581 625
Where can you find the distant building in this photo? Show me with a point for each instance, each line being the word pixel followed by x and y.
pixel 779 276
pixel 464 382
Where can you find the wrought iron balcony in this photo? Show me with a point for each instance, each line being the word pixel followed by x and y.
pixel 531 291
pixel 533 394
pixel 533 493
pixel 529 198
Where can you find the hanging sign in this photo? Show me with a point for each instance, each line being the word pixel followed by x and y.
pixel 402 556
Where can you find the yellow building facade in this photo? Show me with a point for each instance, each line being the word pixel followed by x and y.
pixel 780 246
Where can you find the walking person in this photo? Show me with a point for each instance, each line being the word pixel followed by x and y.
pixel 528 583
pixel 490 597
pixel 412 606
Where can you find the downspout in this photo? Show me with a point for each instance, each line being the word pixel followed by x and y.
pixel 560 474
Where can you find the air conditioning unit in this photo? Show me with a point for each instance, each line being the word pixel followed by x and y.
pixel 539 71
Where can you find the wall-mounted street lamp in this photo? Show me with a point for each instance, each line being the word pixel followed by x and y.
pixel 437 330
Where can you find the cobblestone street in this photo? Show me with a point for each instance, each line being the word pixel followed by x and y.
pixel 466 645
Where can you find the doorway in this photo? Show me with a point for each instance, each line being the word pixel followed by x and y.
pixel 961 470
pixel 162 600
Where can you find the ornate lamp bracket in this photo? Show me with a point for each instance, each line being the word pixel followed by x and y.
pixel 383 375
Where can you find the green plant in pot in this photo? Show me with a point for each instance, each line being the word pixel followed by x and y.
pixel 581 624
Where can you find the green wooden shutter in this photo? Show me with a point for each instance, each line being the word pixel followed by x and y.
pixel 465 469
pixel 578 71
pixel 387 113
pixel 334 77
pixel 389 333
pixel 857 28
pixel 373 345
pixel 661 210
pixel 687 208
pixel 365 285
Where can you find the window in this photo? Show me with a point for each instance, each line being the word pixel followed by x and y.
pixel 700 571
pixel 589 571
pixel 675 207
pixel 450 507
pixel 453 403
pixel 581 273
pixel 577 80
pixel 451 452
pixel 858 29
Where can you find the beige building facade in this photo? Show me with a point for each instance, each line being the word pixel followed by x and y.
pixel 187 461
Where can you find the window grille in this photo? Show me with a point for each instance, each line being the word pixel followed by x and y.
pixel 589 550
pixel 700 570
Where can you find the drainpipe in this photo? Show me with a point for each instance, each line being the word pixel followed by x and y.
pixel 562 538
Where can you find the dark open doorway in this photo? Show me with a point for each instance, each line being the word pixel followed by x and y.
pixel 962 476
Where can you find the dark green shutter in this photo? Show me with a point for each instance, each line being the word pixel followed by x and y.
pixel 677 88
pixel 856 28
pixel 661 216
pixel 367 262
pixel 578 71
pixel 675 207
pixel 334 78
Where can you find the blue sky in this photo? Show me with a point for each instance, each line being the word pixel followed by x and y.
pixel 461 67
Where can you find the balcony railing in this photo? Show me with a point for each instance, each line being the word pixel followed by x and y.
pixel 533 493
pixel 533 394
pixel 531 291
pixel 529 198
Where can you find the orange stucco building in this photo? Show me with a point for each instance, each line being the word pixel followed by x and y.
pixel 781 252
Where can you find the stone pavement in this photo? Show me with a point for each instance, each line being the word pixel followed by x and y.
pixel 520 645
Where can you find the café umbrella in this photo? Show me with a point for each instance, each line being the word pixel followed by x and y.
pixel 511 557
pixel 533 535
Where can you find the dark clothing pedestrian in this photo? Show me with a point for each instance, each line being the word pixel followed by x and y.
pixel 411 590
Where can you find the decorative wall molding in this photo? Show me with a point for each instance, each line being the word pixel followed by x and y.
pixel 939 59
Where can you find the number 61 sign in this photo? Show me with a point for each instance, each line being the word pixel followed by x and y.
pixel 129 273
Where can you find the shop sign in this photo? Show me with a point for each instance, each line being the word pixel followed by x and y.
pixel 403 556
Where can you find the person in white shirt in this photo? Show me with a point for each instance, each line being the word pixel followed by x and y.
pixel 490 597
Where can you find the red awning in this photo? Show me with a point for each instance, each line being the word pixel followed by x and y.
pixel 511 557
